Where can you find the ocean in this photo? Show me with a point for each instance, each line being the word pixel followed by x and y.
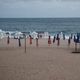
pixel 51 25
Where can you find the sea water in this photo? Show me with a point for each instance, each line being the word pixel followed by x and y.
pixel 51 25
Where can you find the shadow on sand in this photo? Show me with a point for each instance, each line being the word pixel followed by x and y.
pixel 76 52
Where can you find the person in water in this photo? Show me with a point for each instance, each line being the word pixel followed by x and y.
pixel 49 40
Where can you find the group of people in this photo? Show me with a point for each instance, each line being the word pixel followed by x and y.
pixel 54 39
pixel 19 41
pixel 37 43
pixel 58 40
pixel 30 40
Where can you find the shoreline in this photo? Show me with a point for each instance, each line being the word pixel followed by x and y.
pixel 42 43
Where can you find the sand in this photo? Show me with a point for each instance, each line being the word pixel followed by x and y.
pixel 38 63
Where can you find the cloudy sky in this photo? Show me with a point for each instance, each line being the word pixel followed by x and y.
pixel 39 8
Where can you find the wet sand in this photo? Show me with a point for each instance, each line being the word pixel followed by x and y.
pixel 38 63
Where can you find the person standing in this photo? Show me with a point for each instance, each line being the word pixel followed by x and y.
pixel 69 41
pixel 58 40
pixel 58 43
pixel 8 40
pixel 30 39
pixel 49 40
pixel 19 40
pixel 37 42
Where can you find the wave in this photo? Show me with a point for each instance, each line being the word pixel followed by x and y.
pixel 35 34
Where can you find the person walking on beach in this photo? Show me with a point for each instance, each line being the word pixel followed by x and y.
pixel 19 42
pixel 8 40
pixel 69 41
pixel 37 41
pixel 58 40
pixel 49 40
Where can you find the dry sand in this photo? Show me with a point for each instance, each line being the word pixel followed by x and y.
pixel 38 63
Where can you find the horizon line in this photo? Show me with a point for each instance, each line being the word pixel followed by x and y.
pixel 39 17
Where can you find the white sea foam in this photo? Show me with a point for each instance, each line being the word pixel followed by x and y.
pixel 34 35
pixel 46 35
pixel 17 34
pixel 2 34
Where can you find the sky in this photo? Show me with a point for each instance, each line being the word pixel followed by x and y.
pixel 39 8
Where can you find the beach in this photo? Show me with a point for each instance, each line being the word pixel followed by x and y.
pixel 38 63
